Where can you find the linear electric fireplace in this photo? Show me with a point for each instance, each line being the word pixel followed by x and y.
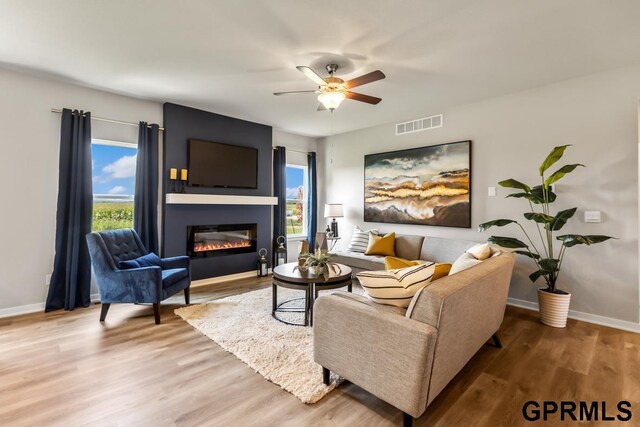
pixel 221 239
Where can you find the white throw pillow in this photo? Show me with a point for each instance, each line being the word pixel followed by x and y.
pixel 481 251
pixel 396 287
pixel 359 239
pixel 464 261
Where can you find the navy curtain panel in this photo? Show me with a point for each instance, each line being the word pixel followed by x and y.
pixel 279 191
pixel 312 200
pixel 145 201
pixel 70 285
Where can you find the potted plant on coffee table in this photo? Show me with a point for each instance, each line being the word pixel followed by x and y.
pixel 319 263
pixel 547 257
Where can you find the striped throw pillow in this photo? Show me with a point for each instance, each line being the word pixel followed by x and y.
pixel 359 239
pixel 396 287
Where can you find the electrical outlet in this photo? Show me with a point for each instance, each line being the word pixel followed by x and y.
pixel 492 192
pixel 47 279
pixel 592 216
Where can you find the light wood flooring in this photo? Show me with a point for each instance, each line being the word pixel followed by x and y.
pixel 67 368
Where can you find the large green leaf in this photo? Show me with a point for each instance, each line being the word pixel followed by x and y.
pixel 540 218
pixel 512 183
pixel 561 218
pixel 570 240
pixel 553 157
pixel 549 265
pixel 557 175
pixel 537 274
pixel 528 254
pixel 495 222
pixel 507 242
pixel 528 196
pixel 538 192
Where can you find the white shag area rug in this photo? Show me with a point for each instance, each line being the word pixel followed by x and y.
pixel 283 354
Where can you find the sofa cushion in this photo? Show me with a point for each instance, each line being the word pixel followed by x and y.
pixel 359 239
pixel 393 263
pixel 440 249
pixel 123 244
pixel 148 260
pixel 361 299
pixel 408 246
pixel 441 270
pixel 381 245
pixel 173 275
pixel 358 260
pixel 396 287
pixel 481 251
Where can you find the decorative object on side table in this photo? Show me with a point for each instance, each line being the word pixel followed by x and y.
pixel 333 210
pixel 183 180
pixel 173 176
pixel 281 251
pixel 553 302
pixel 263 268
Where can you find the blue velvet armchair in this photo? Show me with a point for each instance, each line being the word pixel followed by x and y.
pixel 136 285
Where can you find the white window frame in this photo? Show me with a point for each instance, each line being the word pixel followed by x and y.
pixel 305 214
pixel 107 197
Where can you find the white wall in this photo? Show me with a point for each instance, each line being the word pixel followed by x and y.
pixel 511 136
pixel 29 144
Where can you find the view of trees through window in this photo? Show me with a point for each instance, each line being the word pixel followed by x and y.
pixel 296 201
pixel 113 172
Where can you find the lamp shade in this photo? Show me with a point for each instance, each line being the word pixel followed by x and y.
pixel 333 210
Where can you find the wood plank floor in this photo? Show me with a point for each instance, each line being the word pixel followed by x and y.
pixel 67 368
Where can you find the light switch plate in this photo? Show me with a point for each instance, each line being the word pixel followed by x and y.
pixel 592 216
pixel 492 192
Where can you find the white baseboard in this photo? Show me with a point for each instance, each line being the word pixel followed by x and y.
pixel 580 315
pixel 227 278
pixel 32 308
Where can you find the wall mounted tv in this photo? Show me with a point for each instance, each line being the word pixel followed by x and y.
pixel 213 164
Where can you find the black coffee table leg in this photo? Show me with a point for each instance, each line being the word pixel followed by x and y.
pixel 274 303
pixel 350 286
pixel 306 307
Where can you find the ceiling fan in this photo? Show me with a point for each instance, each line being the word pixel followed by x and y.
pixel 333 90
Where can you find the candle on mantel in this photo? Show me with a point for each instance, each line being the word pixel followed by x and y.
pixel 173 173
pixel 183 174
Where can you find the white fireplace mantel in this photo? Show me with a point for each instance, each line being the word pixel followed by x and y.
pixel 218 199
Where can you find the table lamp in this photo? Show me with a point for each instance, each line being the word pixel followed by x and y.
pixel 333 210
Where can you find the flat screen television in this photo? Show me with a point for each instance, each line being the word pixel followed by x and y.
pixel 213 164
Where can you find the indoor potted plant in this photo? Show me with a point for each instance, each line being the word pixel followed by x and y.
pixel 553 302
pixel 319 263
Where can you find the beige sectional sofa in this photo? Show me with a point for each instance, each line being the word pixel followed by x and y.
pixel 412 247
pixel 407 357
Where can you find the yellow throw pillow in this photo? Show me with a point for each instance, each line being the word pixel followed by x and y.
pixel 381 245
pixel 441 270
pixel 393 263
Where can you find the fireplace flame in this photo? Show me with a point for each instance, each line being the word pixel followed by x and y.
pixel 216 246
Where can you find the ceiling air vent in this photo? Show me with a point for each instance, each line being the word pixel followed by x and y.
pixel 418 125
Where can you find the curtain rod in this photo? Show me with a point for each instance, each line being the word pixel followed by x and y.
pixel 102 119
pixel 295 151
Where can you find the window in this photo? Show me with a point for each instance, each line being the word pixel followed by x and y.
pixel 297 190
pixel 113 170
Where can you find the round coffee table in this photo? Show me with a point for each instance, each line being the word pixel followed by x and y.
pixel 287 276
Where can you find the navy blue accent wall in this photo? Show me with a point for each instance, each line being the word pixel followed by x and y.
pixel 183 123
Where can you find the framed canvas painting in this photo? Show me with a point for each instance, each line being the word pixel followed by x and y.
pixel 425 186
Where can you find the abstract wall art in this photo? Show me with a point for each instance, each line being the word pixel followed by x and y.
pixel 425 186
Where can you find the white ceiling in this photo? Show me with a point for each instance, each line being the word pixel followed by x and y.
pixel 230 56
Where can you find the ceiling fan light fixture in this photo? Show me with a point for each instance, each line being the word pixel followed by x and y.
pixel 331 100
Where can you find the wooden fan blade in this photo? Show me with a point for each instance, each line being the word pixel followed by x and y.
pixel 363 98
pixel 321 107
pixel 312 75
pixel 294 91
pixel 364 79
